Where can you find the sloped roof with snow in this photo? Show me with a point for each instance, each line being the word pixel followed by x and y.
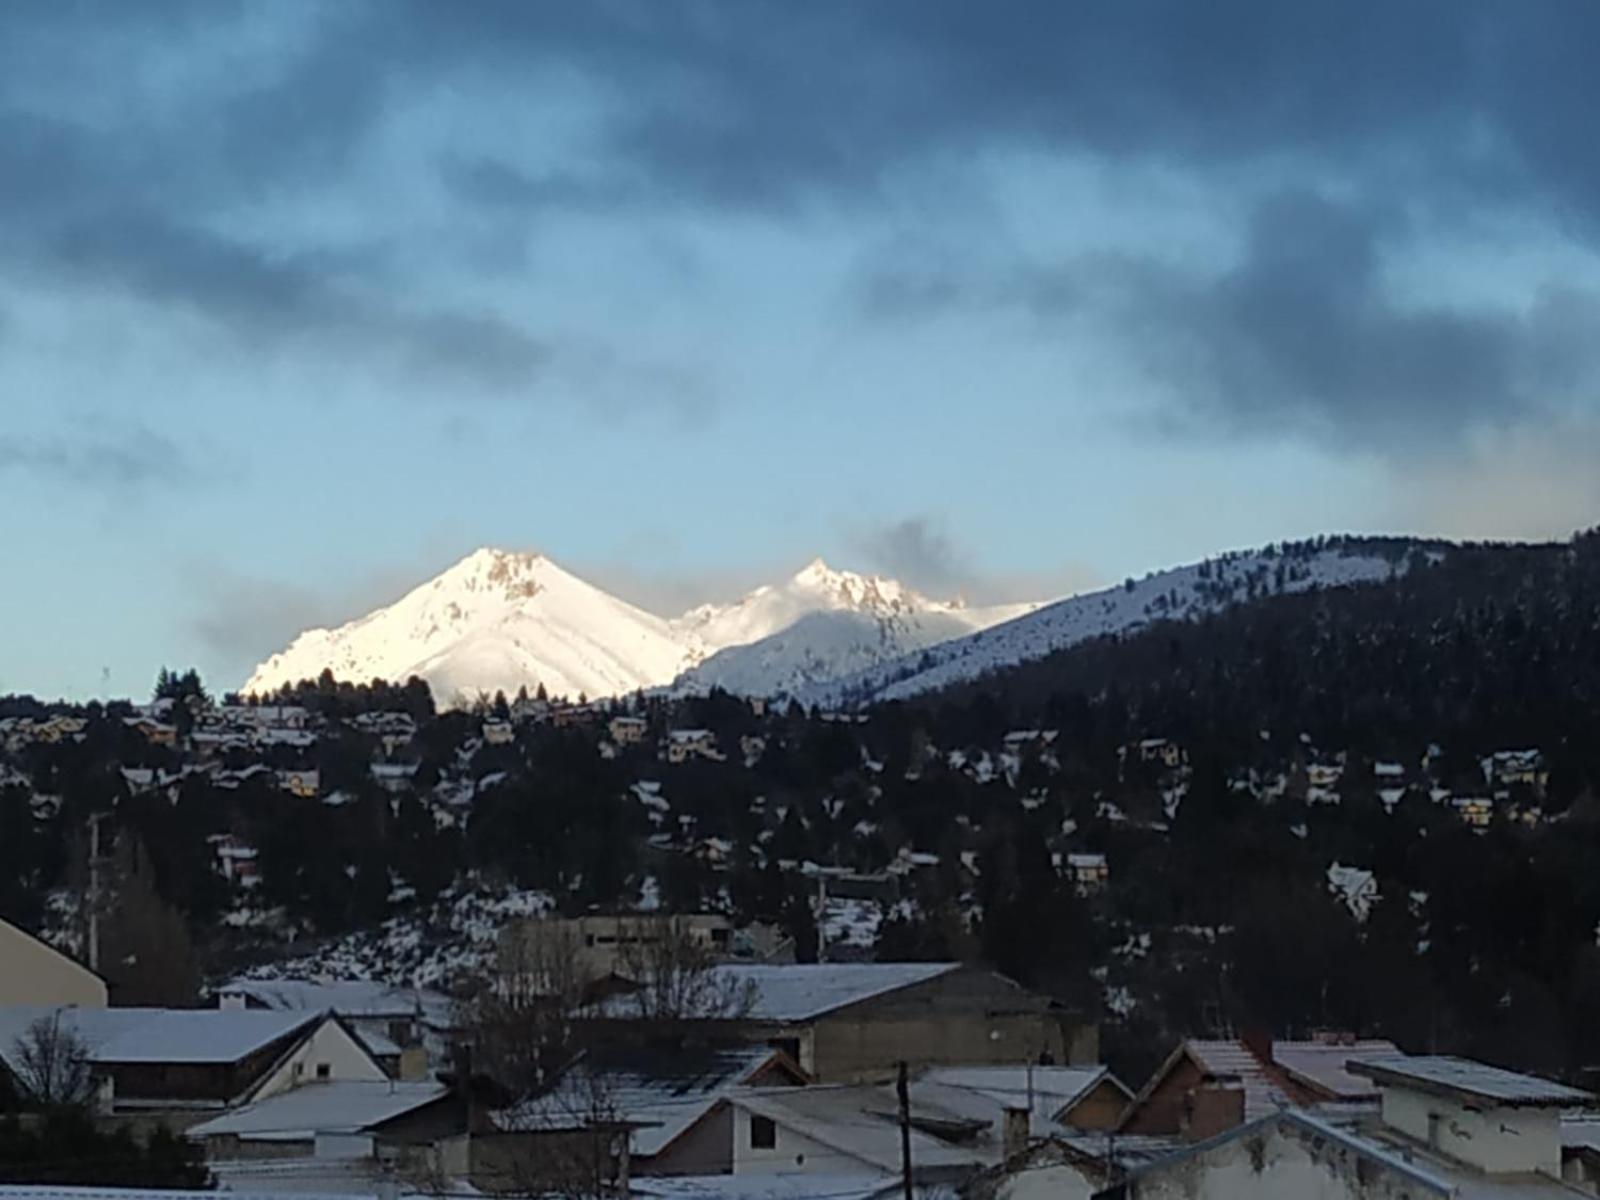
pixel 983 1092
pixel 803 991
pixel 159 1035
pixel 1325 1065
pixel 660 1093
pixel 358 998
pixel 313 1108
pixel 1473 1080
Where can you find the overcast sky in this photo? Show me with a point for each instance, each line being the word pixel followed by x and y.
pixel 299 302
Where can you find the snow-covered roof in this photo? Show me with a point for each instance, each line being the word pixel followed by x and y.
pixel 1464 1078
pixel 983 1093
pixel 356 998
pixel 661 1094
pixel 334 1107
pixel 802 991
pixel 1325 1065
pixel 158 1035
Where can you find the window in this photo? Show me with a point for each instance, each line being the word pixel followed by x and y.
pixel 763 1133
pixel 324 1070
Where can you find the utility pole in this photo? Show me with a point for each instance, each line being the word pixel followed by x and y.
pixel 94 897
pixel 822 918
pixel 902 1090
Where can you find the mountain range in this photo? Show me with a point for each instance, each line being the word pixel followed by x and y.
pixel 500 621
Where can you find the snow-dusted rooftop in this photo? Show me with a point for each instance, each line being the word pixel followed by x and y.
pixel 347 997
pixel 1465 1078
pixel 800 992
pixel 337 1107
pixel 158 1035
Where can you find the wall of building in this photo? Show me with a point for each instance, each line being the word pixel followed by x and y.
pixel 33 973
pixel 793 1152
pixel 1272 1165
pixel 1493 1139
pixel 706 1148
pixel 331 1044
pixel 1056 1181
pixel 1100 1109
pixel 967 1017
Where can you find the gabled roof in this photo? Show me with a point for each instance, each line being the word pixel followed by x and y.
pixel 337 1107
pixel 1300 1072
pixel 1468 1080
pixel 804 991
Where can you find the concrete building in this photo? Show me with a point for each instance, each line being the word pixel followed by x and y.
pixel 846 1022
pixel 604 944
pixel 33 973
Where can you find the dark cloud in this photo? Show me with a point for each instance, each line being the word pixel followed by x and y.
pixel 102 460
pixel 772 106
pixel 1302 335
pixel 918 552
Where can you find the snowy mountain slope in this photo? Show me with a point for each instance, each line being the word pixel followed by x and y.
pixel 829 624
pixel 498 621
pixel 818 588
pixel 494 621
pixel 1184 592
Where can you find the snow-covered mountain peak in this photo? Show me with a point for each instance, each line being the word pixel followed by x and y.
pixel 500 619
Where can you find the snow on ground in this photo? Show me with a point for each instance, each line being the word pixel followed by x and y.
pixel 452 939
pixel 851 923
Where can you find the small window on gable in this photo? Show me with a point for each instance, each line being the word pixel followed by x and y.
pixel 763 1133
pixel 324 1070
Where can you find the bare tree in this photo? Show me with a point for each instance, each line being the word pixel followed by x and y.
pixel 569 1141
pixel 520 1023
pixel 53 1063
pixel 677 978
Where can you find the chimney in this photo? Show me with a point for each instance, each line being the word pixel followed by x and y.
pixel 1258 1040
pixel 1017 1129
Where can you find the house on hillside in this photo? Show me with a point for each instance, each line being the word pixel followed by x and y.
pixel 1442 1128
pixel 1207 1087
pixel 845 1022
pixel 1089 873
pixel 35 973
pixel 628 731
pixel 304 784
pixel 683 744
pixel 499 733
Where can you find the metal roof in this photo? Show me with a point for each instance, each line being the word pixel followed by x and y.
pixel 1465 1078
